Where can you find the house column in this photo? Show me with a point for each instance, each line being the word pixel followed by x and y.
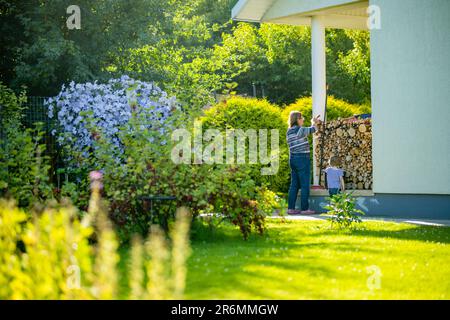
pixel 318 79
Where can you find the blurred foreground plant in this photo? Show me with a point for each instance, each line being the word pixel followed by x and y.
pixel 50 256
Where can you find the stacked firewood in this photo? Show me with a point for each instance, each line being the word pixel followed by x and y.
pixel 351 141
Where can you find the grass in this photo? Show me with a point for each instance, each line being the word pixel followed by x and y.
pixel 308 260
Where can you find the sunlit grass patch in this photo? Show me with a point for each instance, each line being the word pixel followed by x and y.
pixel 308 260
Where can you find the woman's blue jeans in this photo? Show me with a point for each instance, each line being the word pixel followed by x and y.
pixel 300 179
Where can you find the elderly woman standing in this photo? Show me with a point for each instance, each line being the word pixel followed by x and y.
pixel 299 161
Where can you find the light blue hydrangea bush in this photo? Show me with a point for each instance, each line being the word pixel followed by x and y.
pixel 85 110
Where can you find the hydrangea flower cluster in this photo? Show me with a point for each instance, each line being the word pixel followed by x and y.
pixel 109 107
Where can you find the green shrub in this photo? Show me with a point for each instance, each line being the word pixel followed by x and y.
pixel 203 188
pixel 11 106
pixel 247 113
pixel 23 167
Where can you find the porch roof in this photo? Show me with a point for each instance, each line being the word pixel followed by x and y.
pixel 345 14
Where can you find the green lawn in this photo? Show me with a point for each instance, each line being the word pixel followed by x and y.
pixel 308 260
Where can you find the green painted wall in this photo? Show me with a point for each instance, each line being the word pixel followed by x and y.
pixel 411 97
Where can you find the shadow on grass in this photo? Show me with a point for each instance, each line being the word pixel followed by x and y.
pixel 256 284
pixel 411 232
pixel 225 264
pixel 201 232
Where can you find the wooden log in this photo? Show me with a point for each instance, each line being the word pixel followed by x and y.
pixel 362 128
pixel 351 132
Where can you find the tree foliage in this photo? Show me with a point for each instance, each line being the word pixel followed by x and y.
pixel 189 47
pixel 48 54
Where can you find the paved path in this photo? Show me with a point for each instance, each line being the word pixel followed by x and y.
pixel 424 222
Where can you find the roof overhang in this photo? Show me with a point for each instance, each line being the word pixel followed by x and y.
pixel 345 14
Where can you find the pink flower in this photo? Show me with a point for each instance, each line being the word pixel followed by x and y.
pixel 95 175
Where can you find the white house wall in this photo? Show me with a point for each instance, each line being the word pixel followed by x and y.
pixel 410 64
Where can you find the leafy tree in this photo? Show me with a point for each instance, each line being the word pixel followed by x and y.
pixel 274 58
pixel 180 60
pixel 348 65
pixel 189 47
pixel 50 54
pixel 11 36
pixel 278 59
pixel 356 64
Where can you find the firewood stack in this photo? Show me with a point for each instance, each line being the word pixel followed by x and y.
pixel 350 140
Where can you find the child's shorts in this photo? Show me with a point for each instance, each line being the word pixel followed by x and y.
pixel 334 191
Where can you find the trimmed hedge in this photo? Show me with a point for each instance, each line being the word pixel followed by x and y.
pixel 250 113
pixel 336 108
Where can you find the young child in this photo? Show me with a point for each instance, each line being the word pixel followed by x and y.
pixel 335 177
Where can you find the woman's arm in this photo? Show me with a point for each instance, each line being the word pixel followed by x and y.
pixel 306 131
